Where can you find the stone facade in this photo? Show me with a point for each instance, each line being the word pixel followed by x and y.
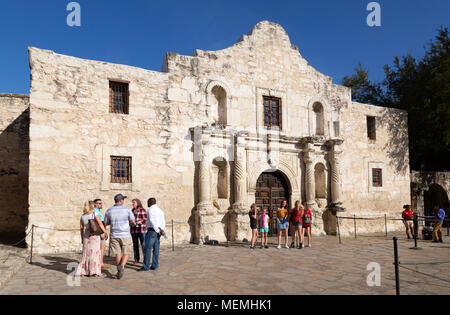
pixel 197 137
pixel 14 155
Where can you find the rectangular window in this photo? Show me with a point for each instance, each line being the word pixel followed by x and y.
pixel 272 112
pixel 120 169
pixel 377 177
pixel 118 97
pixel 371 128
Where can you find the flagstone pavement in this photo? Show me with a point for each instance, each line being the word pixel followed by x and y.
pixel 326 268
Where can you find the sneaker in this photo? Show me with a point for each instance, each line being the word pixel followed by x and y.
pixel 136 262
pixel 252 247
pixel 287 246
pixel 120 270
pixel 309 245
pixel 441 241
pixel 300 246
pixel 279 246
pixel 262 246
pixel 292 245
pixel 267 246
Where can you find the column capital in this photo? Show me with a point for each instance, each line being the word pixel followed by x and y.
pixel 335 142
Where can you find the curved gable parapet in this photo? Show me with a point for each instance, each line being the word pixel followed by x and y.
pixel 255 43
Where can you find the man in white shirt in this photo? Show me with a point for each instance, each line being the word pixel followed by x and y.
pixel 155 228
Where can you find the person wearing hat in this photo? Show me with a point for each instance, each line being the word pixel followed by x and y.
pixel 120 218
pixel 407 216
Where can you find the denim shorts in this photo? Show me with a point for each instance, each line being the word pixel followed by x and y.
pixel 283 225
pixel 297 224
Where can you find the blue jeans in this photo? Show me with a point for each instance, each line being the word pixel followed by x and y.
pixel 151 243
pixel 138 237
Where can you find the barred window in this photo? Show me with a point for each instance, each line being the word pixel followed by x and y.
pixel 120 169
pixel 371 128
pixel 377 177
pixel 272 112
pixel 118 97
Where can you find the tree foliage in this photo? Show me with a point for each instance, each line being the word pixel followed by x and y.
pixel 422 87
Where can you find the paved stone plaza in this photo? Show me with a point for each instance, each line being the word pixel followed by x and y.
pixel 325 268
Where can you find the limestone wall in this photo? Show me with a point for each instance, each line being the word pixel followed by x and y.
pixel 73 135
pixel 262 63
pixel 390 152
pixel 14 154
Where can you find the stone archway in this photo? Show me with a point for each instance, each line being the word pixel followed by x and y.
pixel 271 189
pixel 428 188
pixel 435 195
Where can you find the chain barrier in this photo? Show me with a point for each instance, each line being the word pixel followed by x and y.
pixel 397 264
pixel 386 219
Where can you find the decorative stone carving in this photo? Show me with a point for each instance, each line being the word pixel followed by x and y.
pixel 309 175
pixel 335 163
pixel 240 173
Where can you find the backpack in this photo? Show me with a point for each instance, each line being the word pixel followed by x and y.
pixel 307 219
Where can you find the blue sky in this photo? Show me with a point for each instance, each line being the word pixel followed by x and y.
pixel 332 35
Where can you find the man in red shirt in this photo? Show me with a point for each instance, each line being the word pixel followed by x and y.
pixel 407 216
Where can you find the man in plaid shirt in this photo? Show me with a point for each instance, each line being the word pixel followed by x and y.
pixel 138 232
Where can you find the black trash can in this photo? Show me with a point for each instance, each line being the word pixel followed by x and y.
pixel 427 233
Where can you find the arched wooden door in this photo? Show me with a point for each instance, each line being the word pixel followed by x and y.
pixel 271 190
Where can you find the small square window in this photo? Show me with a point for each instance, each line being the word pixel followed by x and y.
pixel 377 177
pixel 120 169
pixel 118 97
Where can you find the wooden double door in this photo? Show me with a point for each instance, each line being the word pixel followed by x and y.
pixel 271 190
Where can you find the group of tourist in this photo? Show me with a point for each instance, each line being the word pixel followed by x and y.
pixel 298 220
pixel 137 228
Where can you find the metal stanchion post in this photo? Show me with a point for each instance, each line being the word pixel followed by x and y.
pixel 397 278
pixel 173 241
pixel 339 232
pixel 354 219
pixel 32 240
pixel 416 232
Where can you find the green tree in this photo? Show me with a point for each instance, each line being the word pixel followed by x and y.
pixel 422 87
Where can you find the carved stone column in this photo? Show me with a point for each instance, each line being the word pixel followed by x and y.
pixel 335 177
pixel 239 214
pixel 240 173
pixel 203 215
pixel 309 175
pixel 204 183
pixel 335 164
